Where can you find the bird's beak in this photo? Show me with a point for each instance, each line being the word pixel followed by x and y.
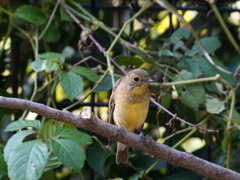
pixel 150 80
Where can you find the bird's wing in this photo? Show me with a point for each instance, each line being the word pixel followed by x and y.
pixel 111 105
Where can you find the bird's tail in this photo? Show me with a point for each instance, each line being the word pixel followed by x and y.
pixel 122 153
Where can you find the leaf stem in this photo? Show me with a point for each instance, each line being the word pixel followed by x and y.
pixel 49 21
pixel 224 26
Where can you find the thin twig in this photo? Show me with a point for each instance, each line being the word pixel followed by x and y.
pixel 179 119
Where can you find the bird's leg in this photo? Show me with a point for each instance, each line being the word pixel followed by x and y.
pixel 121 130
pixel 143 138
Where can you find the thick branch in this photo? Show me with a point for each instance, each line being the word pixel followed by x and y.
pixel 87 120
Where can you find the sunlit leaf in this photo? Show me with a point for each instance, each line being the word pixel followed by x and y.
pixel 214 105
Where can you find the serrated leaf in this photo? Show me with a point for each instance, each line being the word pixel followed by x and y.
pixel 52 34
pixel 49 128
pixel 71 83
pixel 74 135
pixel 23 124
pixel 209 43
pixel 69 153
pixel 127 60
pixel 192 94
pixel 96 157
pixel 27 161
pixel 31 14
pixel 209 70
pixel 214 105
pixel 191 66
pixel 15 141
pixel 180 33
pixel 91 75
pixel 53 56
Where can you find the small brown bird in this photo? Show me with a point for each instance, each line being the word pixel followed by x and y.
pixel 128 106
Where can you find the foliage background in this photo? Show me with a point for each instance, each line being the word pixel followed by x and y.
pixel 46 57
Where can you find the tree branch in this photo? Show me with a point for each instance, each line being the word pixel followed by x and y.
pixel 88 121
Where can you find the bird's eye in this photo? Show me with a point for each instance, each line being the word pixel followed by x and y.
pixel 136 79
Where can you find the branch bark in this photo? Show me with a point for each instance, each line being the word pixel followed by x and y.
pixel 88 121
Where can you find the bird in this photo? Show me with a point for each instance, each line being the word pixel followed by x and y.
pixel 128 106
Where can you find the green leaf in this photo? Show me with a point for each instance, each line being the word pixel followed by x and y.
pixel 49 128
pixel 27 161
pixel 150 60
pixel 71 83
pixel 23 124
pixel 69 153
pixel 225 141
pixel 178 45
pixel 52 34
pixel 209 70
pixel 48 175
pixel 65 16
pixel 165 52
pixel 45 65
pixel 52 163
pixel 74 135
pixel 31 14
pixel 37 65
pixel 191 66
pixel 51 65
pixel 180 33
pixel 105 85
pixel 192 94
pixel 137 176
pixel 127 60
pixel 15 141
pixel 3 167
pixel 96 157
pixel 53 56
pixel 209 43
pixel 214 105
pixel 91 75
pixel 166 100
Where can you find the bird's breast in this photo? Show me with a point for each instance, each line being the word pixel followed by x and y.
pixel 131 111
